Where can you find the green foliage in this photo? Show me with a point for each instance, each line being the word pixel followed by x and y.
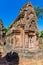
pixel 41 34
pixel 6 29
pixel 38 11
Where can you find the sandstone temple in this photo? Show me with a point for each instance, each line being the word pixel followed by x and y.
pixel 23 32
pixel 22 39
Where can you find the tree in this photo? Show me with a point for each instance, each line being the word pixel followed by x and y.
pixel 41 34
pixel 39 12
pixel 6 29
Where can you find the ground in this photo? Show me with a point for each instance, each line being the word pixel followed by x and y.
pixel 31 62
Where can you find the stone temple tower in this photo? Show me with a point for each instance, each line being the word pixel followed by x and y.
pixel 23 33
pixel 30 27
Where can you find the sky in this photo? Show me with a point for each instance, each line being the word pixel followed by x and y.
pixel 9 10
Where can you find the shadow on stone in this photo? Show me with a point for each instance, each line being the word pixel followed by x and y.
pixel 10 59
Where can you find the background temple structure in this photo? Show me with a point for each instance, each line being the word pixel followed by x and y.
pixel 2 37
pixel 23 33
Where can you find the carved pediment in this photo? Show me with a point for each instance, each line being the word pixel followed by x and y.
pixel 27 19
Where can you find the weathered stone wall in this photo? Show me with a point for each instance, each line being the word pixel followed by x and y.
pixel 41 43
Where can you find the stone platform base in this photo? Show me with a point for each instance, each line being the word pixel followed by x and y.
pixel 36 54
pixel 32 58
pixel 29 58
